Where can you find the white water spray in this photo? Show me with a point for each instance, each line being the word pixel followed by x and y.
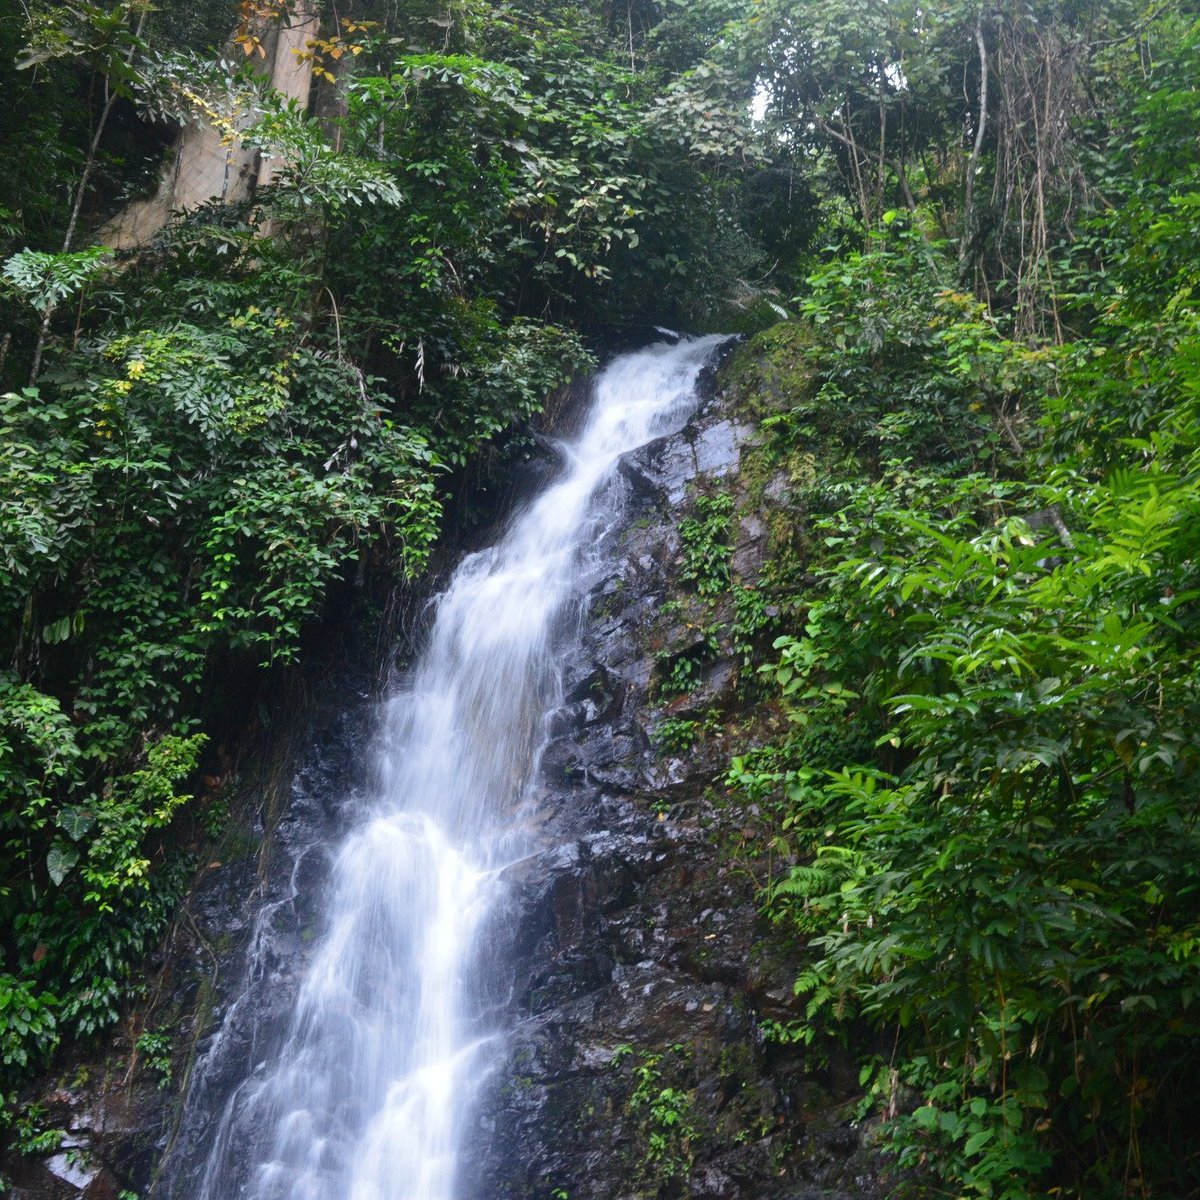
pixel 373 1090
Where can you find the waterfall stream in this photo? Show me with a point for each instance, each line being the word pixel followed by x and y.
pixel 399 1017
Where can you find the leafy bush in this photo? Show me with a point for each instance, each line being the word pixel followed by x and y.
pixel 999 870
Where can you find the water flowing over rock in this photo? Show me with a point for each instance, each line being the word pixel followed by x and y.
pixel 398 1014
pixel 638 1064
pixel 503 940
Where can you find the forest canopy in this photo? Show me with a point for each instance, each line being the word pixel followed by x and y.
pixel 981 221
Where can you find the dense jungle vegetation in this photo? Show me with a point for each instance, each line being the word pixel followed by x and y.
pixel 983 217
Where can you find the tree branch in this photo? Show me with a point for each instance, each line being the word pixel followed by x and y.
pixel 977 149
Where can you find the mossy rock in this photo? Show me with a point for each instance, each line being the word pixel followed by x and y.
pixel 772 372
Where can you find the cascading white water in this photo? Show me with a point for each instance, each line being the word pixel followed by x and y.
pixel 373 1088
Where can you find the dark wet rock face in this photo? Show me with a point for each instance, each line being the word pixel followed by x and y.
pixel 638 1064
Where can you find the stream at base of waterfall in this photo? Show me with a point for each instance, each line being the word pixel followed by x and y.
pixel 367 1091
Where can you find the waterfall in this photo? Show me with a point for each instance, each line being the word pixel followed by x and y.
pixel 399 1018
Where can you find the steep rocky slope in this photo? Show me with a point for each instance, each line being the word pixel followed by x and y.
pixel 640 1066
pixel 644 980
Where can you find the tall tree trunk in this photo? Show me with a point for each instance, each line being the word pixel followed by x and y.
pixel 969 223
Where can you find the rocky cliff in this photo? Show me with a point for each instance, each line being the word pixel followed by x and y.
pixel 644 987
pixel 640 1065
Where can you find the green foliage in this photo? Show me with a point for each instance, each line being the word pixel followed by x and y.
pixel 186 487
pixel 675 734
pixel 37 747
pixel 114 867
pixel 153 1046
pixel 45 280
pixel 679 672
pixel 704 568
pixel 31 1135
pixel 591 192
pixel 28 1028
pixel 989 894
pixel 1011 882
pixel 888 326
pixel 678 734
pixel 104 39
pixel 662 1110
pixel 997 867
pixel 309 171
pixel 705 545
